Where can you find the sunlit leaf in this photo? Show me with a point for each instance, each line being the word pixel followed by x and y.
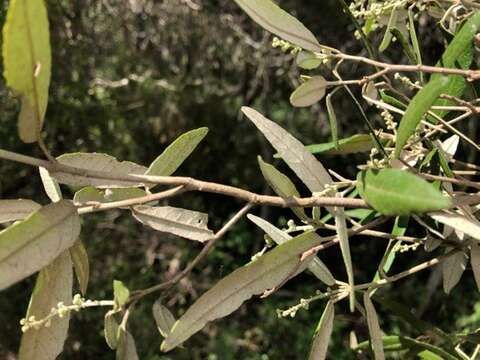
pixel 228 294
pixel 120 293
pixel 88 194
pixel 123 194
pixel 81 265
pixel 387 37
pixel 272 18
pixel 163 318
pixel 12 210
pixel 27 62
pixel 452 270
pixel 310 92
pixel 398 192
pixel 181 222
pixel 373 327
pixel 50 185
pixel 353 144
pixel 110 330
pixel 30 245
pixel 126 349
pixel 308 60
pixel 54 285
pixel 322 334
pixel 459 222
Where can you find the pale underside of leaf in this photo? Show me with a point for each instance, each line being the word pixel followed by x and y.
pixel 110 330
pixel 475 262
pixel 81 265
pixel 452 269
pixel 373 327
pixel 52 189
pixel 12 210
pixel 309 93
pixel 228 294
pixel 126 349
pixel 54 285
pixel 323 333
pixel 163 318
pixel 459 222
pixel 181 222
pixel 33 243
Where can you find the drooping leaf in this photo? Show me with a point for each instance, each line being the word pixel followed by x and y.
pixel 228 294
pixel 322 335
pixel 373 327
pixel 97 162
pixel 332 119
pixel 353 144
pixel 452 270
pixel 50 185
pixel 27 62
pixel 307 60
pixel 316 266
pixel 12 210
pixel 272 18
pixel 398 192
pixel 310 92
pixel 176 153
pixel 30 245
pixel 120 293
pixel 163 318
pixel 126 349
pixel 475 262
pixel 181 222
pixel 54 285
pixel 459 222
pixel 282 185
pixel 110 330
pixel 81 265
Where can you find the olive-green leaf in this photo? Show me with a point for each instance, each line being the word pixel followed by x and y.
pixel 373 327
pixel 12 210
pixel 31 244
pixel 27 62
pixel 316 266
pixel 120 293
pixel 398 192
pixel 110 330
pixel 126 349
pixel 277 21
pixel 282 185
pixel 310 92
pixel 181 222
pixel 97 162
pixel 81 265
pixel 308 60
pixel 353 144
pixel 176 153
pixel 52 189
pixel 452 269
pixel 88 194
pixel 163 318
pixel 475 262
pixel 322 335
pixel 228 294
pixel 387 38
pixel 54 285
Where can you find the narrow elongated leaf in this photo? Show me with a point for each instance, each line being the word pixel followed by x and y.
pixel 97 162
pixel 353 144
pixel 181 222
pixel 459 222
pixel 163 318
pixel 176 153
pixel 387 38
pixel 282 185
pixel 110 330
pixel 90 194
pixel 126 349
pixel 12 210
pixel 452 270
pixel 310 92
pixel 332 119
pixel 229 293
pixel 272 18
pixel 475 262
pixel 81 265
pixel 398 192
pixel 123 194
pixel 50 185
pixel 373 327
pixel 322 334
pixel 54 285
pixel 33 243
pixel 316 266
pixel 27 62
pixel 120 293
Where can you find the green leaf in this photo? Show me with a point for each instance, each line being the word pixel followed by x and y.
pixel 332 119
pixel 316 266
pixel 97 162
pixel 282 185
pixel 373 327
pixel 110 330
pixel 353 144
pixel 181 222
pixel 398 192
pixel 126 349
pixel 91 194
pixel 228 294
pixel 53 285
pixel 272 18
pixel 27 62
pixel 52 189
pixel 390 344
pixel 12 210
pixel 322 334
pixel 163 318
pixel 387 38
pixel 310 92
pixel 475 262
pixel 414 40
pixel 81 265
pixel 176 153
pixel 36 241
pixel 120 293
pixel 88 194
pixel 452 270
pixel 307 60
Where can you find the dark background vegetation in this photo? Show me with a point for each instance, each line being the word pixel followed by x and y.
pixel 129 77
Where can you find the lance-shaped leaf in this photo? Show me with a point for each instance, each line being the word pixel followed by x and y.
pixel 52 189
pixel 353 144
pixel 30 245
pixel 163 318
pixel 126 349
pixel 54 285
pixel 176 153
pixel 282 185
pixel 110 330
pixel 373 327
pixel 322 334
pixel 310 92
pixel 90 194
pixel 459 222
pixel 452 270
pixel 316 266
pixel 398 192
pixel 272 18
pixel 181 222
pixel 80 264
pixel 228 294
pixel 27 62
pixel 475 262
pixel 98 162
pixel 12 210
